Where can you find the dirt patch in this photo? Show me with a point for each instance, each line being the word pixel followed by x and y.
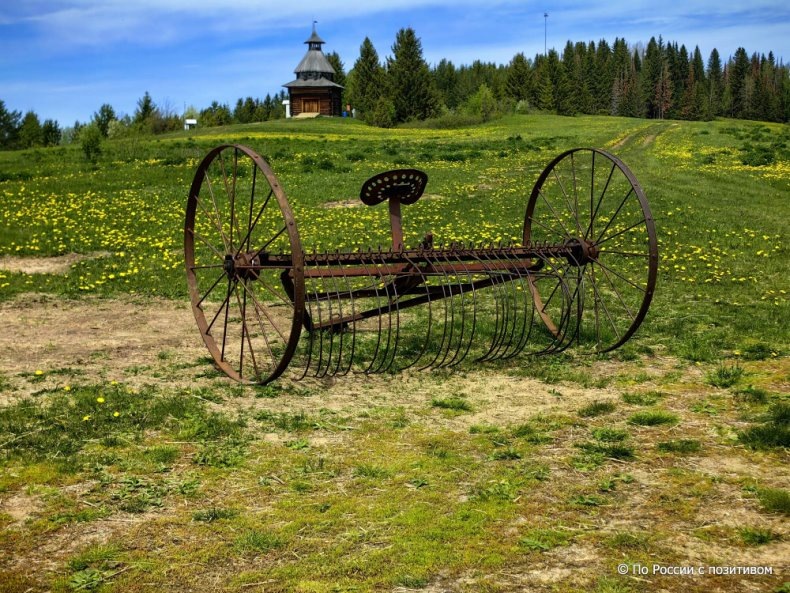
pixel 155 341
pixel 649 140
pixel 59 264
pixel 20 506
pixel 622 142
pixel 351 203
pixel 127 340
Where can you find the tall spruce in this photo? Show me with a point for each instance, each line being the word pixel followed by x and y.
pixel 519 77
pixel 368 80
pixel 410 84
pixel 739 73
pixel 603 78
pixel 9 127
pixel 340 74
pixel 30 132
pixel 50 131
pixel 662 101
pixel 715 83
pixel 653 69
pixel 565 100
pixel 446 78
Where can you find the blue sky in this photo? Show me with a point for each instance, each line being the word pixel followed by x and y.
pixel 64 58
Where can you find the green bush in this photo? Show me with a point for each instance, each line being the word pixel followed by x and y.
pixel 91 142
pixel 383 114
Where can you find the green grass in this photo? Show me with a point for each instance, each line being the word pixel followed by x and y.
pixel 387 488
pixel 648 398
pixel 88 413
pixel 451 403
pixel 725 375
pixel 598 408
pixel 757 536
pixel 679 446
pixel 774 431
pixel 774 500
pixel 687 195
pixel 653 418
pixel 543 540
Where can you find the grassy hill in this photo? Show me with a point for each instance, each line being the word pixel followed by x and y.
pixel 129 464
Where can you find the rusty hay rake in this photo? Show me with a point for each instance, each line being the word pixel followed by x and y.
pixel 583 273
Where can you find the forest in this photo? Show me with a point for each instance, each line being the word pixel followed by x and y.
pixel 660 80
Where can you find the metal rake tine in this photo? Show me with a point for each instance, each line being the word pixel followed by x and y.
pixel 470 277
pixel 394 299
pixel 310 332
pixel 322 372
pixel 460 285
pixel 528 317
pixel 427 339
pixel 485 260
pixel 352 325
pixel 520 319
pixel 317 330
pixel 506 286
pixel 511 306
pixel 375 276
pixel 339 332
pixel 451 298
pixel 432 265
pixel 378 272
pixel 458 355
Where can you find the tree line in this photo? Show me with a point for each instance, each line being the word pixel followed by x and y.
pixel 659 80
pixel 20 132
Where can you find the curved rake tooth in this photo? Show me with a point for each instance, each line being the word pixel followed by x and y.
pixel 432 261
pixel 351 326
pixel 448 289
pixel 416 326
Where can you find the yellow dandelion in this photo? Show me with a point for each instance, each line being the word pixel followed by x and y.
pixel 38 373
pixel 100 399
pixel 116 414
pixel 86 417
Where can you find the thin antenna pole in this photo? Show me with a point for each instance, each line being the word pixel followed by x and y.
pixel 545 28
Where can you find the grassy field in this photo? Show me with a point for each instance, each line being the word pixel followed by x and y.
pixel 130 464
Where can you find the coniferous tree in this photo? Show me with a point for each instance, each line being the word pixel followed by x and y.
pixel 519 77
pixel 663 93
pixel 739 73
pixel 542 89
pixel 340 74
pixel 632 103
pixel 368 80
pixel 103 117
pixel 9 127
pixel 688 106
pixel 50 132
pixel 603 78
pixel 145 110
pixel 563 100
pixel 244 111
pixel 30 133
pixel 446 78
pixel 410 84
pixel 715 82
pixel 653 69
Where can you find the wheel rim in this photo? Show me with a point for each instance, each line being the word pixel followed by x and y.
pixel 589 200
pixel 237 215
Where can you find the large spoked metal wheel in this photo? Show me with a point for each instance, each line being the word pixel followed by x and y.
pixel 588 200
pixel 250 314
